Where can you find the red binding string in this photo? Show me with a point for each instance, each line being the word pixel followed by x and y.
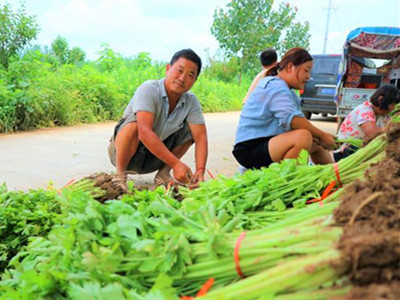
pixel 209 173
pixel 336 168
pixel 67 184
pixel 330 188
pixel 206 287
pixel 203 290
pixel 168 187
pixel 236 254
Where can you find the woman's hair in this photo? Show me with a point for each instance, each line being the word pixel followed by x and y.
pixel 296 56
pixel 390 95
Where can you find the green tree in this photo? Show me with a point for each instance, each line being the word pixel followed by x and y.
pixel 60 49
pixel 221 68
pixel 297 36
pixel 109 59
pixel 247 27
pixel 76 56
pixel 16 31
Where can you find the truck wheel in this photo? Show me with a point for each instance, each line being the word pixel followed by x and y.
pixel 307 114
pixel 339 123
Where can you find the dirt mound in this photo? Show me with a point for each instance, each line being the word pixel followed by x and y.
pixel 375 292
pixel 388 166
pixel 374 204
pixel 393 132
pixel 370 214
pixel 393 150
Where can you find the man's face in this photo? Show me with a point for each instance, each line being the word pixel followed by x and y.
pixel 180 76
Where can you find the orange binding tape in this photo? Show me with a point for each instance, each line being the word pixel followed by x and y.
pixel 336 168
pixel 203 290
pixel 236 254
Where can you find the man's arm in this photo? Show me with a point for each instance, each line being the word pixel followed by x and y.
pixel 152 142
pixel 199 133
pixel 325 139
pixel 254 84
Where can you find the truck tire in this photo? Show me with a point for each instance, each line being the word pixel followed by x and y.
pixel 307 114
pixel 339 123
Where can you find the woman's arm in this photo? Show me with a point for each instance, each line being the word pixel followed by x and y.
pixel 370 129
pixel 323 138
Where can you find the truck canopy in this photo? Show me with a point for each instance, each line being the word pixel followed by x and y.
pixel 373 42
pixel 359 74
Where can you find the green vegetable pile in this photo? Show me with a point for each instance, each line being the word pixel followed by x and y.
pixel 23 215
pixel 120 248
pixel 149 246
pixel 289 183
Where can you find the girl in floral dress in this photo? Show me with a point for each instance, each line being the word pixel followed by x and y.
pixel 367 120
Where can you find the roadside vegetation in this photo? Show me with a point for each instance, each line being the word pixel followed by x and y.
pixel 55 85
pixel 38 90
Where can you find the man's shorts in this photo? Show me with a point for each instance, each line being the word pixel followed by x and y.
pixel 144 161
pixel 253 154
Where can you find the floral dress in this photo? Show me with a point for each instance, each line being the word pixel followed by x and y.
pixel 363 113
pixel 351 127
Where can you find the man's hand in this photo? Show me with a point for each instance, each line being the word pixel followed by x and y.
pixel 197 177
pixel 327 141
pixel 181 172
pixel 119 180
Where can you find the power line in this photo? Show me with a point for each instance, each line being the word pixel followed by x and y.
pixel 313 27
pixel 343 12
pixel 327 25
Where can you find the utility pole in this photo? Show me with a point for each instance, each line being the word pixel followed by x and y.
pixel 327 26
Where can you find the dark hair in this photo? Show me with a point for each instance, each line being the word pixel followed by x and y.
pixel 190 55
pixel 268 56
pixel 390 94
pixel 296 56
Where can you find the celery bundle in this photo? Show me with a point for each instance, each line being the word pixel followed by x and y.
pixel 304 274
pixel 283 184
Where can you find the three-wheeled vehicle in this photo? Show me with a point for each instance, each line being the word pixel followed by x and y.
pixel 371 58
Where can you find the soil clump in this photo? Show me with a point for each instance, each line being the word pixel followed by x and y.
pixel 370 214
pixel 375 292
pixel 111 190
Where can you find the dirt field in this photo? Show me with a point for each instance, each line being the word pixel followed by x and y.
pixel 33 159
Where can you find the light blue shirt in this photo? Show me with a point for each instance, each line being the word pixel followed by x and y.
pixel 152 97
pixel 268 111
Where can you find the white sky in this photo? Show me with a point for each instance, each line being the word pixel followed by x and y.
pixel 161 27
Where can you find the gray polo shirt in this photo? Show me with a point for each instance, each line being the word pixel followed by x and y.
pixel 151 96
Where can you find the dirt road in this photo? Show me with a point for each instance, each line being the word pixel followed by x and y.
pixel 33 159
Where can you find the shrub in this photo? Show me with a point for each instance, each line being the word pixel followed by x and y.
pixel 35 92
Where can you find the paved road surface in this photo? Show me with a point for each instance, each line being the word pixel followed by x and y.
pixel 33 159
